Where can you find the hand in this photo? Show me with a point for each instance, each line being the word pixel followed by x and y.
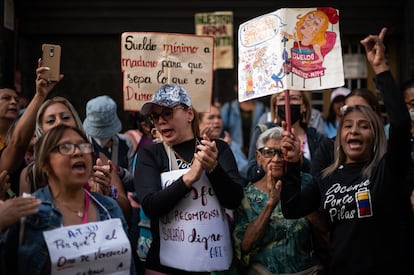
pixel 4 184
pixel 207 131
pixel 273 186
pixel 13 209
pixel 101 178
pixel 44 86
pixel 290 145
pixel 207 153
pixel 375 51
pixel 194 174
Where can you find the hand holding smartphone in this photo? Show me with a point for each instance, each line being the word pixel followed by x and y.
pixel 51 58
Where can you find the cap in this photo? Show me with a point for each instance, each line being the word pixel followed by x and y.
pixel 167 96
pixel 339 91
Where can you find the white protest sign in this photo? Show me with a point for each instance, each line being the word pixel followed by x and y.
pixel 291 48
pixel 195 235
pixel 91 248
pixel 150 60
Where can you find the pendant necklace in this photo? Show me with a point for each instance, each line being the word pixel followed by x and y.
pixel 84 213
pixel 185 164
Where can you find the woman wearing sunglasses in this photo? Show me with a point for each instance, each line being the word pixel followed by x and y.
pixel 266 242
pixel 183 184
pixel 74 218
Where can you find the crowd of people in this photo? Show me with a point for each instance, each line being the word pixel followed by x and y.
pixel 230 191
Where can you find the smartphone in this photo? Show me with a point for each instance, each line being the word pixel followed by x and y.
pixel 51 59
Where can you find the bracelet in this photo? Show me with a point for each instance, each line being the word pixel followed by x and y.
pixel 113 192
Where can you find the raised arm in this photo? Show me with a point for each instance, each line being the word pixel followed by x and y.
pixel 20 138
pixel 399 138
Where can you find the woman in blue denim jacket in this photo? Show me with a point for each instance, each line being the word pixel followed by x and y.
pixel 63 159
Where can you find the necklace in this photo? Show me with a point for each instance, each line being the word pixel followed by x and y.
pixel 84 213
pixel 78 213
pixel 182 163
pixel 182 159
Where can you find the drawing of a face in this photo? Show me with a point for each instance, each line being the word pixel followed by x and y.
pixel 311 25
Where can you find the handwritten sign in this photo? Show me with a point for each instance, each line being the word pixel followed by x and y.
pixel 295 49
pixel 195 235
pixel 220 25
pixel 91 248
pixel 150 60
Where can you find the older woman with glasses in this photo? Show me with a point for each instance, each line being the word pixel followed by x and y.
pixel 264 239
pixel 183 184
pixel 300 111
pixel 64 159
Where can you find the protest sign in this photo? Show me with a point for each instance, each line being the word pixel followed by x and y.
pixel 220 25
pixel 291 48
pixel 150 60
pixel 91 248
pixel 195 235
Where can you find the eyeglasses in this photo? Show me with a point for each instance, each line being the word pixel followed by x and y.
pixel 166 113
pixel 68 149
pixel 271 152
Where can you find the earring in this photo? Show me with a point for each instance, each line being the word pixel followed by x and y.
pixel 189 121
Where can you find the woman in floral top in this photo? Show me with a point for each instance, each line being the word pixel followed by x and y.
pixel 264 240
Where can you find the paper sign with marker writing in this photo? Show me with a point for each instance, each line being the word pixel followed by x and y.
pixel 91 248
pixel 150 60
pixel 220 25
pixel 195 235
pixel 291 48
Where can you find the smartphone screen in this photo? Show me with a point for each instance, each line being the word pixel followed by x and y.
pixel 51 58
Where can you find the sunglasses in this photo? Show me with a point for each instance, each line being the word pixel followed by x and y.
pixel 347 109
pixel 166 113
pixel 271 152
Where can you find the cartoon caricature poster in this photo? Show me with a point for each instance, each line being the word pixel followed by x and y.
pixel 291 48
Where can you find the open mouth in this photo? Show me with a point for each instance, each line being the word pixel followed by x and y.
pixel 79 167
pixel 354 144
pixel 166 132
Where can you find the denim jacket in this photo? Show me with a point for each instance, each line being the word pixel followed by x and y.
pixel 32 254
pixel 232 120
